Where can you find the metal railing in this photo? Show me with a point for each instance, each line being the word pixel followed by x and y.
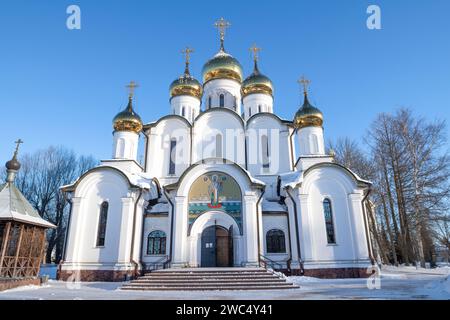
pixel 267 263
pixel 162 263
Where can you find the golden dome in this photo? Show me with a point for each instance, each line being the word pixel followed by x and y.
pixel 256 83
pixel 186 85
pixel 128 120
pixel 308 116
pixel 222 66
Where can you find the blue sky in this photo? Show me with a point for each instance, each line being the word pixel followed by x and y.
pixel 63 87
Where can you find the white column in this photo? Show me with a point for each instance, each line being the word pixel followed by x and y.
pixel 250 231
pixel 126 229
pixel 75 229
pixel 180 232
pixel 358 230
pixel 306 228
pixel 295 263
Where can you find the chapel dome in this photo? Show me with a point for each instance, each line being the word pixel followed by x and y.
pixel 257 83
pixel 308 116
pixel 13 164
pixel 186 85
pixel 128 120
pixel 222 66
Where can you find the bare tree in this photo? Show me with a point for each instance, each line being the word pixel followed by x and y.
pixel 41 176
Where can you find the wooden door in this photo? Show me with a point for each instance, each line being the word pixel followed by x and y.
pixel 222 252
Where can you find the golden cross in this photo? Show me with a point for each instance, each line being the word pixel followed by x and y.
pixel 222 26
pixel 131 87
pixel 187 53
pixel 255 51
pixel 305 83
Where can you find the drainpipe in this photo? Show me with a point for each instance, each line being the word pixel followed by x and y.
pixel 369 247
pixel 257 223
pixel 291 149
pixel 136 264
pixel 171 224
pixel 294 204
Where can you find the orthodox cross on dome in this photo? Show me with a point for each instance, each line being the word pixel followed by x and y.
pixel 18 143
pixel 222 26
pixel 305 83
pixel 131 88
pixel 187 53
pixel 255 51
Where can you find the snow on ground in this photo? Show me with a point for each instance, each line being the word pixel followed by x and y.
pixel 395 283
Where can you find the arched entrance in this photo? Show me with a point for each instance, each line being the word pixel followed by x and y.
pixel 217 247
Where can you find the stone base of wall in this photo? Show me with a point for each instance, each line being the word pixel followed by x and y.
pixel 337 273
pixel 96 275
pixel 329 273
pixel 6 284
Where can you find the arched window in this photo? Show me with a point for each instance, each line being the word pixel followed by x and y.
pixel 183 112
pixel 265 151
pixel 329 225
pixel 222 100
pixel 156 242
pixel 275 241
pixel 314 141
pixel 120 153
pixel 101 230
pixel 172 156
pixel 209 102
pixel 219 147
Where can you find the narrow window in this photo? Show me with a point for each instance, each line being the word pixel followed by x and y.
pixel 156 243
pixel 331 238
pixel 222 100
pixel 218 145
pixel 249 112
pixel 101 232
pixel 209 102
pixel 172 156
pixel 265 151
pixel 275 241
pixel 183 112
pixel 259 108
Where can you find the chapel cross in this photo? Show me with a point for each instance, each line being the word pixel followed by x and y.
pixel 18 143
pixel 222 26
pixel 187 53
pixel 305 83
pixel 255 51
pixel 131 87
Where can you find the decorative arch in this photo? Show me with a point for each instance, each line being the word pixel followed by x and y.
pixel 215 191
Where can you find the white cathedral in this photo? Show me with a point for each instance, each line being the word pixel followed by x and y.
pixel 221 185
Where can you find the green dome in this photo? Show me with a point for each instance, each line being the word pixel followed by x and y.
pixel 256 83
pixel 128 120
pixel 222 66
pixel 308 116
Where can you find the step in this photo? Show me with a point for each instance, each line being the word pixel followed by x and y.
pixel 211 276
pixel 205 272
pixel 218 269
pixel 149 288
pixel 220 284
pixel 208 281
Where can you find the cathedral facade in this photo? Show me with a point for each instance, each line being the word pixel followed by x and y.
pixel 221 185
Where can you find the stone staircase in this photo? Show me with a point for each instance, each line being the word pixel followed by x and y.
pixel 210 279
